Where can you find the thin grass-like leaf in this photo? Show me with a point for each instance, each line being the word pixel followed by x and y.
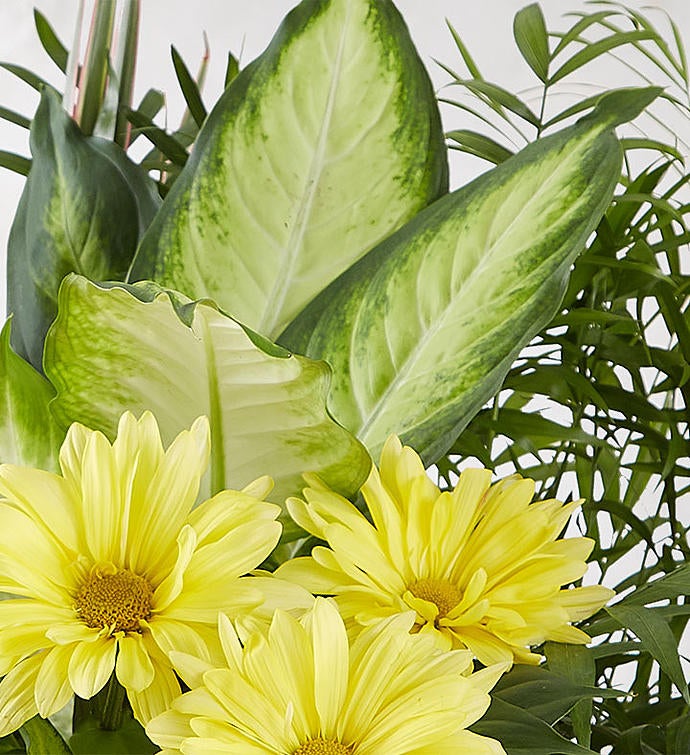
pixel 169 146
pixel 232 68
pixel 594 49
pixel 472 67
pixel 190 90
pixel 50 42
pixel 16 118
pixel 498 98
pixel 30 78
pixel 479 145
pixel 15 163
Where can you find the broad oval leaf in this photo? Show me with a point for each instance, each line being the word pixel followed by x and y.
pixel 84 208
pixel 139 347
pixel 29 436
pixel 421 332
pixel 318 150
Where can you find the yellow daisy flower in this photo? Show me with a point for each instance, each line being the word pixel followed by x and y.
pixel 302 688
pixel 480 565
pixel 112 569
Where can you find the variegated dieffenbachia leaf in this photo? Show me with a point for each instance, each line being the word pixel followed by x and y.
pixel 422 331
pixel 84 208
pixel 317 151
pixel 116 348
pixel 29 436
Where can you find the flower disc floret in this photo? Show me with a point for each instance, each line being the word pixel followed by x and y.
pixel 321 746
pixel 114 599
pixel 481 565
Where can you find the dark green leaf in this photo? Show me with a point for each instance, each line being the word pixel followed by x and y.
pixel 83 208
pixel 464 53
pixel 189 87
pixel 595 49
pixel 167 144
pixel 12 117
pixel 522 733
pixel 545 694
pixel 15 163
pixel 51 44
pixel 532 39
pixel 499 97
pixel 479 145
pixel 575 663
pixel 27 76
pixel 231 70
pixel 656 637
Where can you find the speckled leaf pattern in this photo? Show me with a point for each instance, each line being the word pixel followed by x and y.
pixel 83 209
pixel 421 332
pixel 29 436
pixel 318 150
pixel 138 347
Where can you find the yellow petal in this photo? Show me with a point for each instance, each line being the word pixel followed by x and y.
pixel 53 690
pixel 17 701
pixel 331 663
pixel 157 697
pixel 199 640
pixel 171 586
pixel 169 729
pixel 169 498
pixel 102 509
pixel 91 665
pixel 133 667
pixel 48 499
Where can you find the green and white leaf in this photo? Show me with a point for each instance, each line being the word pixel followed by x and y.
pixel 318 150
pixel 84 208
pixel 139 347
pixel 29 436
pixel 422 331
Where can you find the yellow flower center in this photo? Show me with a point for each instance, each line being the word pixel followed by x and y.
pixel 323 747
pixel 444 595
pixel 114 599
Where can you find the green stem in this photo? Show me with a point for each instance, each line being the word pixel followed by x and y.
pixel 95 69
pixel 112 705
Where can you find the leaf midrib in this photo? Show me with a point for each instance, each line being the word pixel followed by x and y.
pixel 407 366
pixel 276 299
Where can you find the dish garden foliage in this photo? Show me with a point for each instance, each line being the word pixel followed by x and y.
pixel 230 363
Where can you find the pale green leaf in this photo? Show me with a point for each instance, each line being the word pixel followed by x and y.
pixel 29 436
pixel 315 152
pixel 422 331
pixel 121 348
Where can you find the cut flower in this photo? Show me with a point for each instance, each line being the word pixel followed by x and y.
pixel 301 688
pixel 480 565
pixel 112 568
